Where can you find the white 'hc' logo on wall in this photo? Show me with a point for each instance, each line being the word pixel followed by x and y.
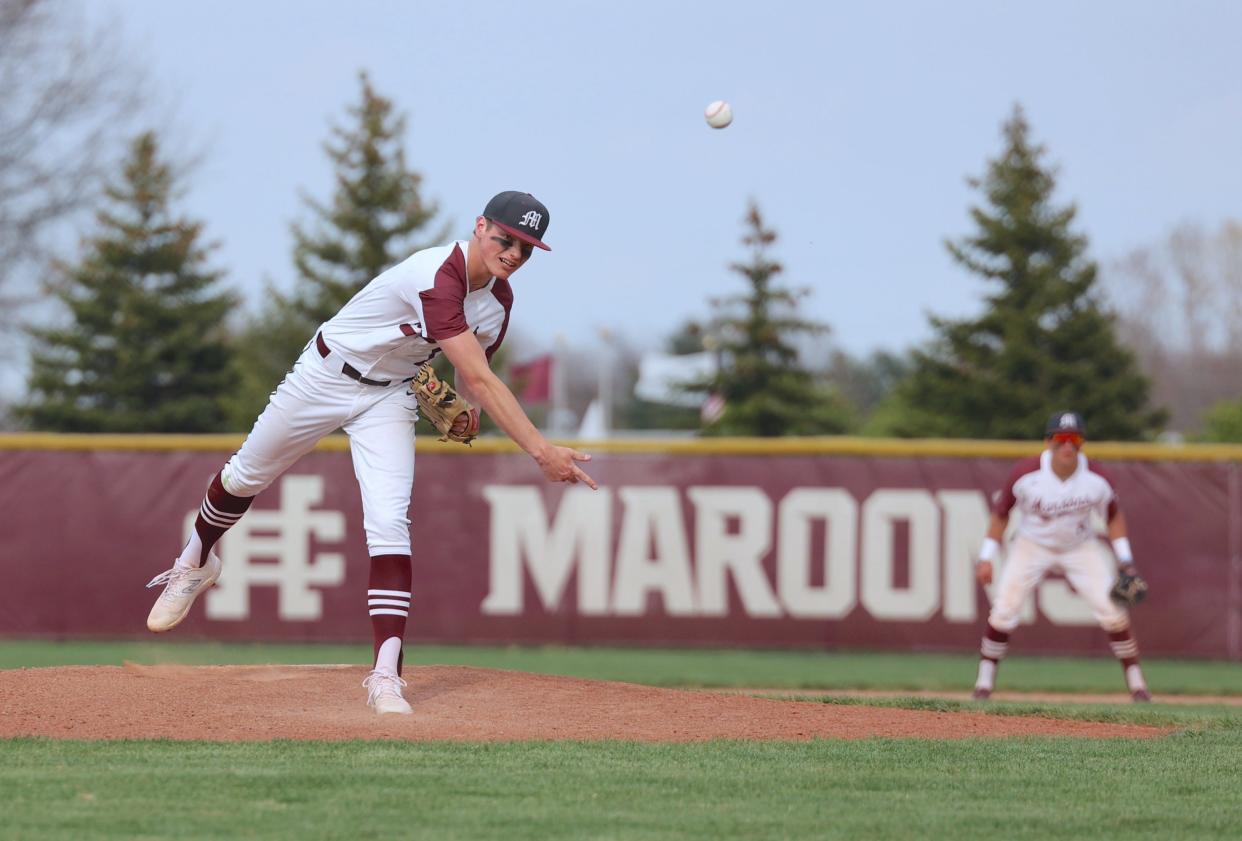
pixel 531 219
pixel 283 535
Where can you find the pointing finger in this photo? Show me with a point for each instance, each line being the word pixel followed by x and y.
pixel 587 479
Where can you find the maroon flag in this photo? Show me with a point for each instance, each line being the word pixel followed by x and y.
pixel 713 408
pixel 532 380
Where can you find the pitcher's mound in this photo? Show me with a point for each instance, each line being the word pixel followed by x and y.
pixel 248 703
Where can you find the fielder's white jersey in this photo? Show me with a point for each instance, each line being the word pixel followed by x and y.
pixel 392 326
pixel 1056 513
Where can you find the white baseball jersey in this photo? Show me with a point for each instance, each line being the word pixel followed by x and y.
pixel 1056 513
pixel 393 324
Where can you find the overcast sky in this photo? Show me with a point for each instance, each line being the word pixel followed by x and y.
pixel 856 126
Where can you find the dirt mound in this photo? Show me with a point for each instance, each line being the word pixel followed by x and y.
pixel 251 703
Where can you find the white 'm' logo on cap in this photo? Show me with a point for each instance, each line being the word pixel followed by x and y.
pixel 1069 420
pixel 531 219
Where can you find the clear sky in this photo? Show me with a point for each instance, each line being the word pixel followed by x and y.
pixel 856 125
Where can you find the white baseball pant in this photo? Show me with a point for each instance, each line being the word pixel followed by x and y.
pixel 1089 567
pixel 315 399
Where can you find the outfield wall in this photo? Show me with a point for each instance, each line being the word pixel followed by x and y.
pixel 820 543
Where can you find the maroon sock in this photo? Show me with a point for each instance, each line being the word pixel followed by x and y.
pixel 995 645
pixel 388 599
pixel 1124 646
pixel 219 512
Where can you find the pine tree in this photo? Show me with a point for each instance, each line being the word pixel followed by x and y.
pixel 766 390
pixel 1045 341
pixel 376 213
pixel 144 348
pixel 375 220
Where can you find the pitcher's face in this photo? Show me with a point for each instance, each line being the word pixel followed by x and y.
pixel 503 254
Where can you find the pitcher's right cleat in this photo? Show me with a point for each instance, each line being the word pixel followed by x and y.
pixel 981 693
pixel 182 587
pixel 1141 696
pixel 384 693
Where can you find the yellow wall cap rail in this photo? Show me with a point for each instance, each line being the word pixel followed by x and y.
pixel 809 446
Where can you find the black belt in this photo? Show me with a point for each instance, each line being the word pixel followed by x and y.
pixel 347 369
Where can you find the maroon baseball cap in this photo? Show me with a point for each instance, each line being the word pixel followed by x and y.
pixel 521 214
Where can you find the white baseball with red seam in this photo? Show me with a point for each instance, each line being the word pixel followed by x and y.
pixel 719 114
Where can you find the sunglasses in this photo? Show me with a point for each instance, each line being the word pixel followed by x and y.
pixel 1067 438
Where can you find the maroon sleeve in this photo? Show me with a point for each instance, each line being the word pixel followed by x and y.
pixel 503 293
pixel 444 312
pixel 1113 505
pixel 1005 500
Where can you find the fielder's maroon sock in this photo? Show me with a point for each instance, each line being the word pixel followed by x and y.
pixel 1124 646
pixel 388 600
pixel 994 645
pixel 992 649
pixel 1125 649
pixel 219 512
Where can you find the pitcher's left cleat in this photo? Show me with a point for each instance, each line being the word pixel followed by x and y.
pixel 981 693
pixel 182 586
pixel 384 693
pixel 1141 696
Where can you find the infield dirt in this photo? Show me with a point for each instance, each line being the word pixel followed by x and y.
pixel 254 703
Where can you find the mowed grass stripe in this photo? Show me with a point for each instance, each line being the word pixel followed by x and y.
pixel 678 667
pixel 1178 786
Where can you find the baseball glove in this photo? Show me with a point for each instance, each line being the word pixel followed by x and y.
pixel 1129 589
pixel 443 407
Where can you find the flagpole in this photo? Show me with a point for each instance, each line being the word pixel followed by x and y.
pixel 556 413
pixel 604 382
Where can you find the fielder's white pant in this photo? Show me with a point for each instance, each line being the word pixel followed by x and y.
pixel 1090 569
pixel 316 399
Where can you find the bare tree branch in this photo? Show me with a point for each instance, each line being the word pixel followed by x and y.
pixel 66 92
pixel 1179 308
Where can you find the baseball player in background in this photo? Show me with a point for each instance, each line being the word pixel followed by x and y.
pixel 1056 493
pixel 453 299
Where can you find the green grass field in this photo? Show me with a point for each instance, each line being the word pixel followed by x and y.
pixel 677 667
pixel 1180 786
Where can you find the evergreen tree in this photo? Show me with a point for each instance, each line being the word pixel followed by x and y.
pixel 144 348
pixel 765 389
pixel 376 214
pixel 1045 341
pixel 376 219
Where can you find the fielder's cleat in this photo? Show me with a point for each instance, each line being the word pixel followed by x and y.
pixel 384 693
pixel 182 586
pixel 981 693
pixel 1141 696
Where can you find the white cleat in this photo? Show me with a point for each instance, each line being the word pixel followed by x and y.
pixel 384 693
pixel 182 587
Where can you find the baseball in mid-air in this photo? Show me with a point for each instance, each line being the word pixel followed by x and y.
pixel 719 114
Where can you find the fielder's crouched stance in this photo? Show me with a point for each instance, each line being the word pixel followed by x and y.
pixel 1057 492
pixel 352 375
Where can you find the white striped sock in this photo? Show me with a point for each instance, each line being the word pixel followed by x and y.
pixel 993 650
pixel 218 518
pixel 389 602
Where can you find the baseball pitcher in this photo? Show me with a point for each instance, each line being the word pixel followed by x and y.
pixel 366 371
